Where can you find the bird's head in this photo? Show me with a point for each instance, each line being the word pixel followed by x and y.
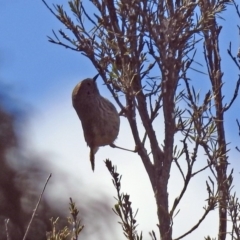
pixel 86 88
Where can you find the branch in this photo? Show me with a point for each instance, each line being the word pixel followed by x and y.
pixel 154 114
pixel 234 96
pixel 202 169
pixel 35 210
pixel 140 148
pixel 123 208
pixel 238 126
pixel 231 55
pixel 50 9
pixel 88 17
pixel 51 40
pixel 238 149
pixel 210 207
pixel 186 179
pixel 180 169
pixel 236 6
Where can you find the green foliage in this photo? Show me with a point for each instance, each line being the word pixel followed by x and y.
pixel 67 233
pixel 123 208
pixel 127 42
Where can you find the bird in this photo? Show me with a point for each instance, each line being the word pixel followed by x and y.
pixel 99 117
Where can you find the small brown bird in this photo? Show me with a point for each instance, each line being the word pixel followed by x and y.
pixel 99 118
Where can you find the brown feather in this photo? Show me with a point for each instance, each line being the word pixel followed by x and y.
pixel 92 158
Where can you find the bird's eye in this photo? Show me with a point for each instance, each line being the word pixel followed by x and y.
pixel 88 93
pixel 89 84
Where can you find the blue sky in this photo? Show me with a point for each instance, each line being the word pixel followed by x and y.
pixel 42 76
pixel 39 68
pixel 35 67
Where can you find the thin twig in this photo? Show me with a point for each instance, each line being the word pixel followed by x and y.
pixel 238 126
pixel 234 96
pixel 202 169
pixel 197 224
pixel 231 55
pixel 236 6
pixel 35 210
pixel 50 9
pixel 238 149
pixel 180 169
pixel 62 44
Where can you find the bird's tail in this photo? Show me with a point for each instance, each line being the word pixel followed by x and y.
pixel 92 157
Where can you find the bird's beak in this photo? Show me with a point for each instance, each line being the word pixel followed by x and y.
pixel 95 78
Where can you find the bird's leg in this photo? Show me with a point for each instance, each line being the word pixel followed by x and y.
pixel 114 146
